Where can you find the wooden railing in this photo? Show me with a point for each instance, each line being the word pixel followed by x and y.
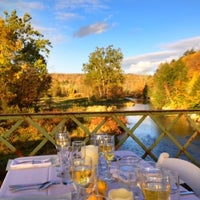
pixel 9 125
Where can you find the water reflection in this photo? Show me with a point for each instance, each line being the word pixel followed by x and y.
pixel 148 132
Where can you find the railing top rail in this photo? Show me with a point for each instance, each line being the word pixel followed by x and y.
pixel 105 112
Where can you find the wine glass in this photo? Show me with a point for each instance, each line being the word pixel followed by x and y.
pixel 82 175
pixel 109 153
pixel 62 142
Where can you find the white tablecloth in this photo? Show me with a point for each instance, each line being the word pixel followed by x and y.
pixel 42 174
pixel 33 175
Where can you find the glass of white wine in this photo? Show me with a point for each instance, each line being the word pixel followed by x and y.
pixel 155 184
pixel 109 154
pixel 62 140
pixel 82 176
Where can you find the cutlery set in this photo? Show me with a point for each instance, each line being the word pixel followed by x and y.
pixel 36 186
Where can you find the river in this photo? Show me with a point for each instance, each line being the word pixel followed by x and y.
pixel 147 132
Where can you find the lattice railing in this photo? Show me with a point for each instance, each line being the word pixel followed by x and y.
pixel 10 124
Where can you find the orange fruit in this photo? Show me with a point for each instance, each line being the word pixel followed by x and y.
pixel 102 186
pixel 94 197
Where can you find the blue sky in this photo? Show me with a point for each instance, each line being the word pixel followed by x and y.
pixel 148 32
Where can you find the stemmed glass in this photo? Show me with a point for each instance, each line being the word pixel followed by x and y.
pixel 83 176
pixel 99 140
pixel 109 153
pixel 62 142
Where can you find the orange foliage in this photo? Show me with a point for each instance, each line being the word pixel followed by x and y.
pixel 192 61
pixel 110 126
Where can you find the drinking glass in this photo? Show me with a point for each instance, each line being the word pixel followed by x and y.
pixel 127 171
pixel 127 175
pixel 174 185
pixel 62 140
pixel 155 185
pixel 82 175
pixel 98 140
pixel 78 148
pixel 65 163
pixel 109 153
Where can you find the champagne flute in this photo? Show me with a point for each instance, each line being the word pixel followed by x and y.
pixel 109 153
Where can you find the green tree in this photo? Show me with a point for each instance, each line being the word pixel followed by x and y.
pixel 23 53
pixel 176 85
pixel 104 74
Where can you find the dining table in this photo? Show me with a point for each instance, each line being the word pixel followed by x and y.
pixel 43 168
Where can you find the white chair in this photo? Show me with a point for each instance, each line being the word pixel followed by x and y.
pixel 187 171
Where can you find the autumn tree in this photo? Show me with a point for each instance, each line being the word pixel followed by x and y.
pixel 176 85
pixel 23 68
pixel 103 73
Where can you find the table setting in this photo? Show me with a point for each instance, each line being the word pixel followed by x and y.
pixel 89 172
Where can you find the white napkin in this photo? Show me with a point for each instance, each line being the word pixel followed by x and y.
pixel 29 162
pixel 187 171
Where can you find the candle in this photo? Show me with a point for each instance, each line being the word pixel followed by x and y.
pixel 92 151
pixel 120 194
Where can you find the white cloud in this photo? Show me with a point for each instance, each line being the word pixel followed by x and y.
pixel 87 5
pixel 148 63
pixel 67 15
pixel 24 6
pixel 96 28
pixel 31 5
pixel 185 44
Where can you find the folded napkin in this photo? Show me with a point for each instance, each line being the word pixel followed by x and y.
pixel 29 162
pixel 187 171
